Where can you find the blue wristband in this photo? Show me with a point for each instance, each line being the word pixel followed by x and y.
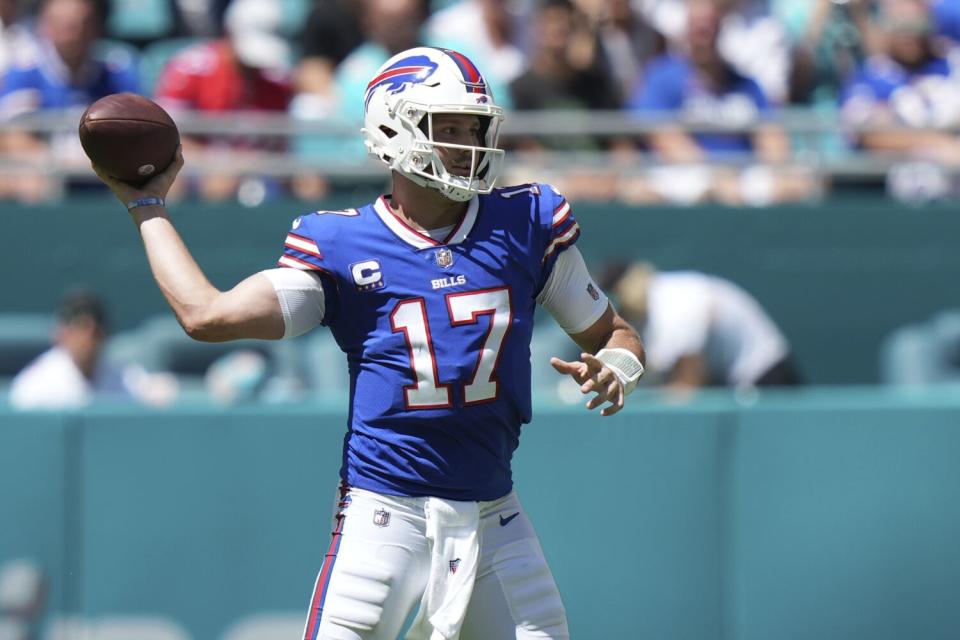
pixel 144 202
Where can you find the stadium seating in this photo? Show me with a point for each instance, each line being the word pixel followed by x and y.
pixel 156 55
pixel 160 345
pixel 23 337
pixel 923 353
pixel 119 52
pixel 140 20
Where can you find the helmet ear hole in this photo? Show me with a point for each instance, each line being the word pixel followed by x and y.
pixel 387 131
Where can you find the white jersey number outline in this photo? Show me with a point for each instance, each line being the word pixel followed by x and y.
pixel 410 318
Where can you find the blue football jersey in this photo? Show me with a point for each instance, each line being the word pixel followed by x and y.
pixel 437 335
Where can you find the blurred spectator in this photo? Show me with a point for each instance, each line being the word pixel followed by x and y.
pixel 202 18
pixel 388 27
pixel 65 71
pixel 750 38
pixel 482 30
pixel 755 43
pixel 16 42
pixel 911 83
pixel 567 71
pixel 566 68
pixel 701 330
pixel 831 39
pixel 247 71
pixel 701 86
pixel 332 31
pixel 71 374
pixel 946 14
pixel 627 41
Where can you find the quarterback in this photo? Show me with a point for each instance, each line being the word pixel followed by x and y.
pixel 430 291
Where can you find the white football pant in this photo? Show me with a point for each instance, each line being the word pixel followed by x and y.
pixel 377 566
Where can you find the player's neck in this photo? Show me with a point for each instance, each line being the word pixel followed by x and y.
pixel 422 207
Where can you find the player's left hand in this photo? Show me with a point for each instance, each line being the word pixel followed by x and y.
pixel 593 376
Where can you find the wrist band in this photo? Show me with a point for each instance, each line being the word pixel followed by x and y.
pixel 624 365
pixel 144 202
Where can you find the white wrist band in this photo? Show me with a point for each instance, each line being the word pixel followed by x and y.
pixel 624 364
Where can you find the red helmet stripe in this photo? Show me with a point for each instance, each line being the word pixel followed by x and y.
pixel 471 74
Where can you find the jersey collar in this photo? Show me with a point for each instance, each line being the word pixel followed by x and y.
pixel 418 240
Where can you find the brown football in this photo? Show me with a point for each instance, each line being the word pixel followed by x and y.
pixel 130 137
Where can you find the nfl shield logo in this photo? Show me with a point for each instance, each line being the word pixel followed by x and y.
pixel 454 565
pixel 444 258
pixel 381 517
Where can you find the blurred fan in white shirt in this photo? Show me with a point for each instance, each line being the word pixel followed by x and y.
pixel 702 330
pixel 71 373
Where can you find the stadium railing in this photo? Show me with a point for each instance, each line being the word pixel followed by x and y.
pixel 821 142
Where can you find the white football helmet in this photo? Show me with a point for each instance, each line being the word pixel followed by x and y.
pixel 399 105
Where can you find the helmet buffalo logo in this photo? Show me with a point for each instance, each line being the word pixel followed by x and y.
pixel 404 72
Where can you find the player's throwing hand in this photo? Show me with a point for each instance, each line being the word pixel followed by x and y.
pixel 156 187
pixel 594 376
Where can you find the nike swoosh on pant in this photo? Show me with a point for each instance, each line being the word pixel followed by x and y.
pixel 505 521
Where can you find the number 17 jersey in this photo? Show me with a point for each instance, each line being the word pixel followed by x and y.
pixel 437 335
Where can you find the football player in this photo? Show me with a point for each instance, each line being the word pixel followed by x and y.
pixel 430 292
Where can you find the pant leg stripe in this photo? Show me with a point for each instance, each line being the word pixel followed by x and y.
pixel 323 579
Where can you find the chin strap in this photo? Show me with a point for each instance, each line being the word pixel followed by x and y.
pixel 624 364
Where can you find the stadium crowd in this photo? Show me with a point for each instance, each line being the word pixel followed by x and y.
pixel 710 78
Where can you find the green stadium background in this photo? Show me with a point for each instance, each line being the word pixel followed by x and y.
pixel 831 512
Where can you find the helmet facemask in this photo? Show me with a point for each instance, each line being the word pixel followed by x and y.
pixel 422 162
pixel 420 159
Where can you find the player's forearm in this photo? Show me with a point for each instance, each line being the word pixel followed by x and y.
pixel 180 279
pixel 623 336
pixel 611 332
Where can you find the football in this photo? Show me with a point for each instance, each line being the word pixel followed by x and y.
pixel 128 136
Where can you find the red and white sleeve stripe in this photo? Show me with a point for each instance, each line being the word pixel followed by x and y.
pixel 568 237
pixel 299 243
pixel 561 214
pixel 296 263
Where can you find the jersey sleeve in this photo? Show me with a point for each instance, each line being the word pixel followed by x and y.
pixel 559 227
pixel 302 251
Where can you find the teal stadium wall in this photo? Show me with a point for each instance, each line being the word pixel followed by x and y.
pixel 816 514
pixel 837 276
